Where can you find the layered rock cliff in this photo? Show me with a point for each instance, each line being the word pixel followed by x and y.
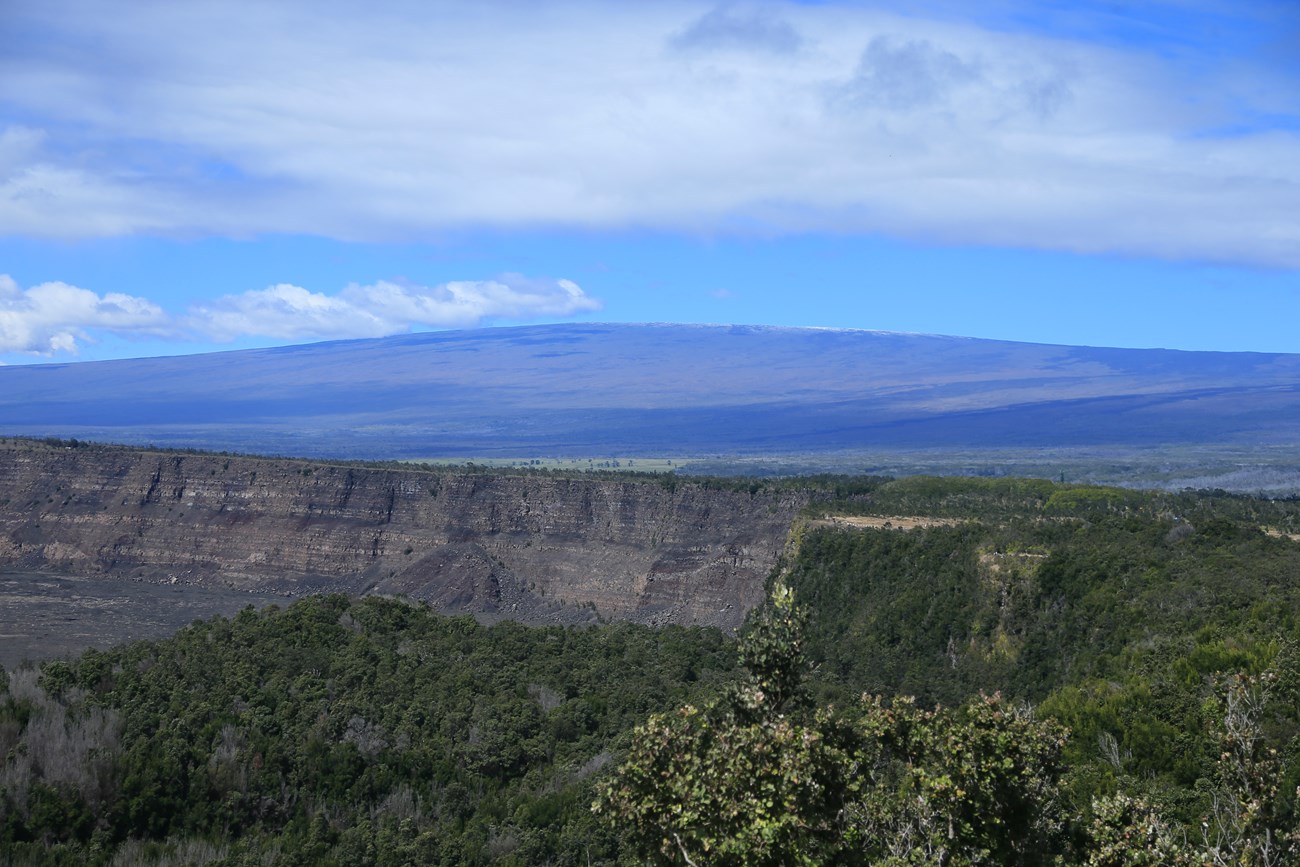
pixel 535 548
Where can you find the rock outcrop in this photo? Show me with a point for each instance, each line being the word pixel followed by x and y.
pixel 530 547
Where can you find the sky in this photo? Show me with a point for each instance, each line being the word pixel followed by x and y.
pixel 181 176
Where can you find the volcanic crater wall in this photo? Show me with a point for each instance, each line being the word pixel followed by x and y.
pixel 533 548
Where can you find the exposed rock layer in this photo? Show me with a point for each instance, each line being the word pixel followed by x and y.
pixel 534 548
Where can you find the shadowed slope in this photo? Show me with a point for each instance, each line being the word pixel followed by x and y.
pixel 593 389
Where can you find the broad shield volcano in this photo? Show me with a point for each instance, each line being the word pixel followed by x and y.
pixel 582 389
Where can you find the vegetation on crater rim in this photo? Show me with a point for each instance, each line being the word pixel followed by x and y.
pixel 1157 630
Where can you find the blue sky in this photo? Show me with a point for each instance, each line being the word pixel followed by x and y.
pixel 190 176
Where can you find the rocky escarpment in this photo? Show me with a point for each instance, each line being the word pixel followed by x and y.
pixel 535 548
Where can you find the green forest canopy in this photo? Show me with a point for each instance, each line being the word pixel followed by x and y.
pixel 1135 625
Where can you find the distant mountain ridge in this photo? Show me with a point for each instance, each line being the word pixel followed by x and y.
pixel 610 389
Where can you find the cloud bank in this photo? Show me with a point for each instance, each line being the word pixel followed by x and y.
pixel 402 121
pixel 292 312
pixel 55 318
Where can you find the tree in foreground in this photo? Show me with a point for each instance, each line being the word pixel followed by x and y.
pixel 759 778
pixel 738 781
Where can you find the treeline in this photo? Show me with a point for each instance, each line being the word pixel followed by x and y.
pixel 1003 499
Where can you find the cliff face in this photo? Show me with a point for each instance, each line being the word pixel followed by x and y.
pixel 532 548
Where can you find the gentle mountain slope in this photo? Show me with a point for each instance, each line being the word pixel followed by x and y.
pixel 665 389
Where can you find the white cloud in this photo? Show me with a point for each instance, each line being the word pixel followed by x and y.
pixel 292 312
pixel 55 317
pixel 49 194
pixel 402 120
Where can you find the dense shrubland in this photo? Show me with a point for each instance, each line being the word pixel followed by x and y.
pixel 757 777
pixel 1099 676
pixel 336 732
